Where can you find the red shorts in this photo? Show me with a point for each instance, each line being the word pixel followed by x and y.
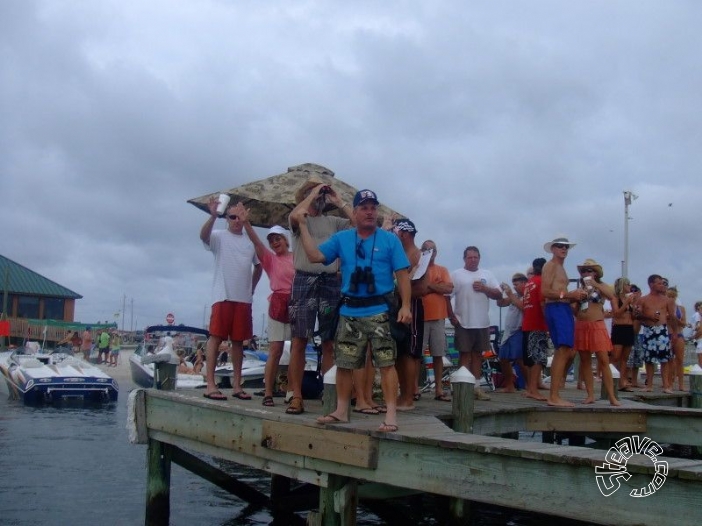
pixel 231 320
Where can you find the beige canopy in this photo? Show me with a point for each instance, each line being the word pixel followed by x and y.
pixel 270 200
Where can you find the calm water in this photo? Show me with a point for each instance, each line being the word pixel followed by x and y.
pixel 76 466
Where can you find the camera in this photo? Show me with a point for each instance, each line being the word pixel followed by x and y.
pixel 362 276
pixel 325 190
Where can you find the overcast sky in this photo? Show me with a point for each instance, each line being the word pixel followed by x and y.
pixel 496 124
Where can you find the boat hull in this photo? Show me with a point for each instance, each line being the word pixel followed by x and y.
pixel 55 378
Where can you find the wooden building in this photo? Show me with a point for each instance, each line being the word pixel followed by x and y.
pixel 27 297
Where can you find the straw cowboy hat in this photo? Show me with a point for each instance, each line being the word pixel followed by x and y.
pixel 559 239
pixel 591 263
pixel 313 181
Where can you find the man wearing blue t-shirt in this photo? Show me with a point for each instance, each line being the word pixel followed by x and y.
pixel 371 259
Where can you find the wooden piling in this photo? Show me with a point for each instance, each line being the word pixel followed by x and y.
pixel 158 484
pixel 463 408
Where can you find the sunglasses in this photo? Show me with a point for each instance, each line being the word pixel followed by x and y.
pixel 233 217
pixel 560 245
pixel 587 270
pixel 360 251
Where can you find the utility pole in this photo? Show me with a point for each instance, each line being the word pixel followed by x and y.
pixel 628 198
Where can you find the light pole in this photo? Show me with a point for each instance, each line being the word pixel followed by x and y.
pixel 628 198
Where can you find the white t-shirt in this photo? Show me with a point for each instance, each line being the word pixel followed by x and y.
pixel 471 307
pixel 696 320
pixel 234 256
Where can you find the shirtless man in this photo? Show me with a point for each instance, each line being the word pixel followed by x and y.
pixel 656 312
pixel 559 315
pixel 409 353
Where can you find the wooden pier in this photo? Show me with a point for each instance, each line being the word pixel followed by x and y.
pixel 351 461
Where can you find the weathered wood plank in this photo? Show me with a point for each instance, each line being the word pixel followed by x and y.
pixel 622 422
pixel 344 448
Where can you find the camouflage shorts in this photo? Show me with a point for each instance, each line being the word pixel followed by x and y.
pixel 353 336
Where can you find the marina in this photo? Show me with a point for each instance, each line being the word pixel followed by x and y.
pixel 458 451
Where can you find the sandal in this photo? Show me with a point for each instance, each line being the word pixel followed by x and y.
pixel 417 396
pixel 296 407
pixel 387 428
pixel 241 395
pixel 268 401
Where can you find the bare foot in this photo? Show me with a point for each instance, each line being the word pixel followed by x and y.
pixel 406 407
pixel 647 389
pixel 588 400
pixel 537 396
pixel 559 402
pixel 668 390
pixel 615 402
pixel 580 387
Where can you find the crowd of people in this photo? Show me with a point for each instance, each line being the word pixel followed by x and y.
pixel 377 300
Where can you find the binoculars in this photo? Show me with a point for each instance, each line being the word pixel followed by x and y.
pixel 361 276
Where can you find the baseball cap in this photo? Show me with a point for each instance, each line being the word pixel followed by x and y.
pixel 406 225
pixel 365 195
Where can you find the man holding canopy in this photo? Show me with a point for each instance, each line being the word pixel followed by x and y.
pixel 316 289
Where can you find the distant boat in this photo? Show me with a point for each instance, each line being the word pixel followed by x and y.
pixel 36 377
pixel 180 336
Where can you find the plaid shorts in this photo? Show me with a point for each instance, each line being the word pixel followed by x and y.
pixel 352 339
pixel 314 296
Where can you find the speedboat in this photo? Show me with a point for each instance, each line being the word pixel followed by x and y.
pixel 166 339
pixel 253 368
pixel 254 365
pixel 36 376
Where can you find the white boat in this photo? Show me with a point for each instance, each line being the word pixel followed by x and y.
pixel 36 376
pixel 166 339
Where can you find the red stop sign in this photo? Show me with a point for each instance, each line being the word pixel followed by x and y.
pixel 170 319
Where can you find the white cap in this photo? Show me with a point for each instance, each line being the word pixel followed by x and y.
pixel 277 229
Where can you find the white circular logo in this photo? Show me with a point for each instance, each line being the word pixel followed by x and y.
pixel 609 474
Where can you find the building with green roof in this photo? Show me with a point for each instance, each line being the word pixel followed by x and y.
pixel 30 297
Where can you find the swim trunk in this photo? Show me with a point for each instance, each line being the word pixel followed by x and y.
pixel 512 348
pixel 435 337
pixel 535 348
pixel 412 346
pixel 472 340
pixel 314 296
pixel 635 359
pixel 592 336
pixel 656 344
pixel 231 320
pixel 623 335
pixel 352 339
pixel 561 324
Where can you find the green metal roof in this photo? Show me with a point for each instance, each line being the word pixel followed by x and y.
pixel 21 280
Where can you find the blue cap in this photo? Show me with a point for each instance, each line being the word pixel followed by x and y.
pixel 365 195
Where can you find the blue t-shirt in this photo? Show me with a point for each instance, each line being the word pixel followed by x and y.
pixel 387 257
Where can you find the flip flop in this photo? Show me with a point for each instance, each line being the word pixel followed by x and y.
pixel 442 398
pixel 388 428
pixel 367 411
pixel 215 395
pixel 381 408
pixel 242 395
pixel 330 419
pixel 626 389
